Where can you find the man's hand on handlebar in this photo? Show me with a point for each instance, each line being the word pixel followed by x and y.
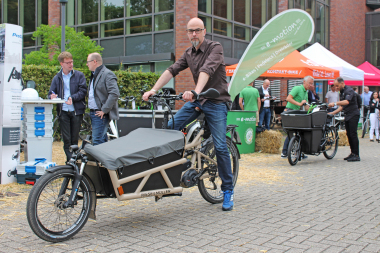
pixel 147 94
pixel 303 102
pixel 188 96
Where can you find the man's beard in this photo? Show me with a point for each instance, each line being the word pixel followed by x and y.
pixel 341 90
pixel 195 43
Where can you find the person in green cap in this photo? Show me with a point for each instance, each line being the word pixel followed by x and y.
pixel 252 101
pixel 296 98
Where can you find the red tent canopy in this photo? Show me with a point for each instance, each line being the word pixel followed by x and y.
pixel 295 66
pixel 371 76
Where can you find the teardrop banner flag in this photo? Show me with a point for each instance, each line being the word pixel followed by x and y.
pixel 280 36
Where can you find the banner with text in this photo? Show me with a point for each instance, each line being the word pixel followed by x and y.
pixel 280 36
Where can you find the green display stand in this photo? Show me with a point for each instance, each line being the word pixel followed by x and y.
pixel 246 120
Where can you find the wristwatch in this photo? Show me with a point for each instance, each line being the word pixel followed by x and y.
pixel 334 103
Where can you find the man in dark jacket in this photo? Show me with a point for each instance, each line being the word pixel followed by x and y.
pixel 69 85
pixel 266 103
pixel 102 98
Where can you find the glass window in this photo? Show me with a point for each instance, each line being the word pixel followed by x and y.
pixel 27 51
pixel 241 32
pixel 207 22
pixel 28 41
pixel 239 49
pixel 205 6
pixel 258 17
pixel 139 25
pixel 90 31
pixel 254 32
pixel 138 45
pixel 309 7
pixel 327 30
pixel 375 53
pixel 28 15
pixel 272 9
pixel 1 11
pixel 241 11
pixel 138 7
pixel 164 22
pixel 299 4
pixel 226 44
pixel 111 9
pixel 70 12
pixel 163 5
pixel 87 11
pixel 320 24
pixel 222 8
pixel 222 28
pixel 113 47
pixel 112 29
pixel 11 12
pixel 140 67
pixel 375 33
pixel 160 67
pixel 164 43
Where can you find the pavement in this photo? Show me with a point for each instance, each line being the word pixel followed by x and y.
pixel 319 205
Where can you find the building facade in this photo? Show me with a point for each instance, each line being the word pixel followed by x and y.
pixel 149 35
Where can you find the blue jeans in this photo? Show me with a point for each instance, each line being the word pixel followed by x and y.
pixel 99 128
pixel 265 115
pixel 216 116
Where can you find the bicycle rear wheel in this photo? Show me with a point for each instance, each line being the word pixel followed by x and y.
pixel 294 150
pixel 210 187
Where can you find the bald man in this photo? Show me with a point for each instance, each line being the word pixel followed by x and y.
pixel 102 98
pixel 206 62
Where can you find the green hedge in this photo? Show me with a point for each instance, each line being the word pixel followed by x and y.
pixel 130 83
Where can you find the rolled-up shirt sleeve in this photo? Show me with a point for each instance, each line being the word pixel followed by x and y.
pixel 213 61
pixel 179 65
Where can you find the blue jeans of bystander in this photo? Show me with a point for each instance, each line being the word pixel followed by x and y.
pixel 99 128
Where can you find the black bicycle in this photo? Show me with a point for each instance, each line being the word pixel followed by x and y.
pixel 310 133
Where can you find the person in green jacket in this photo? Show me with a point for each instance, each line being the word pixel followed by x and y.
pixel 252 101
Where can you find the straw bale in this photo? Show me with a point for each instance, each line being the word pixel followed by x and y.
pixel 343 140
pixel 268 141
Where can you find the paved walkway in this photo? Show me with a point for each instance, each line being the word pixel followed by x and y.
pixel 320 206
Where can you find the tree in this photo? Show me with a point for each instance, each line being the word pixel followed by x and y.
pixel 79 45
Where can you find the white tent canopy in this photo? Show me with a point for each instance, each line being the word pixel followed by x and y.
pixel 322 56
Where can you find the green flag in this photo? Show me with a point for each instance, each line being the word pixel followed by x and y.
pixel 280 36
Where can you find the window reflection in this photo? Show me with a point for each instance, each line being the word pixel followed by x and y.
pixel 138 45
pixel 141 67
pixel 111 9
pixel 164 43
pixel 222 28
pixel 204 5
pixel 241 32
pixel 11 13
pixel 138 7
pixel 112 29
pixel 257 17
pixel 163 5
pixel 206 22
pixel 28 41
pixel 90 31
pixel 139 25
pixel 240 11
pixel 222 9
pixel 320 24
pixel 28 18
pixel 87 11
pixel 164 22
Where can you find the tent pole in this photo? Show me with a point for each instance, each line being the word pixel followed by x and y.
pixel 362 105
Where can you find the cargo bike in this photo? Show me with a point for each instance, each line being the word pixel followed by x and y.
pixel 145 163
pixel 310 133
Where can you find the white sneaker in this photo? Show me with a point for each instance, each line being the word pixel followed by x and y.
pixel 283 156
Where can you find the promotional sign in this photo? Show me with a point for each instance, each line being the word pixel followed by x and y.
pixel 10 95
pixel 280 36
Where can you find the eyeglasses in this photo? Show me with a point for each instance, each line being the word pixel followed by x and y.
pixel 69 62
pixel 90 61
pixel 197 31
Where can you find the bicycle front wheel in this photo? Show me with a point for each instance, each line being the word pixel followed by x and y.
pixel 47 216
pixel 210 187
pixel 294 150
pixel 331 145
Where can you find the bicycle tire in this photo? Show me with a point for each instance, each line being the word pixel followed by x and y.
pixel 35 205
pixel 331 136
pixel 294 153
pixel 364 129
pixel 215 196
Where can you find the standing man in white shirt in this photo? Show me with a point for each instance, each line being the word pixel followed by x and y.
pixel 332 96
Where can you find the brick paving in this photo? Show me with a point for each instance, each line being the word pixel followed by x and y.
pixel 321 206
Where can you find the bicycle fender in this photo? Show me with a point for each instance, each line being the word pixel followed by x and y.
pixel 59 167
pixel 234 135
